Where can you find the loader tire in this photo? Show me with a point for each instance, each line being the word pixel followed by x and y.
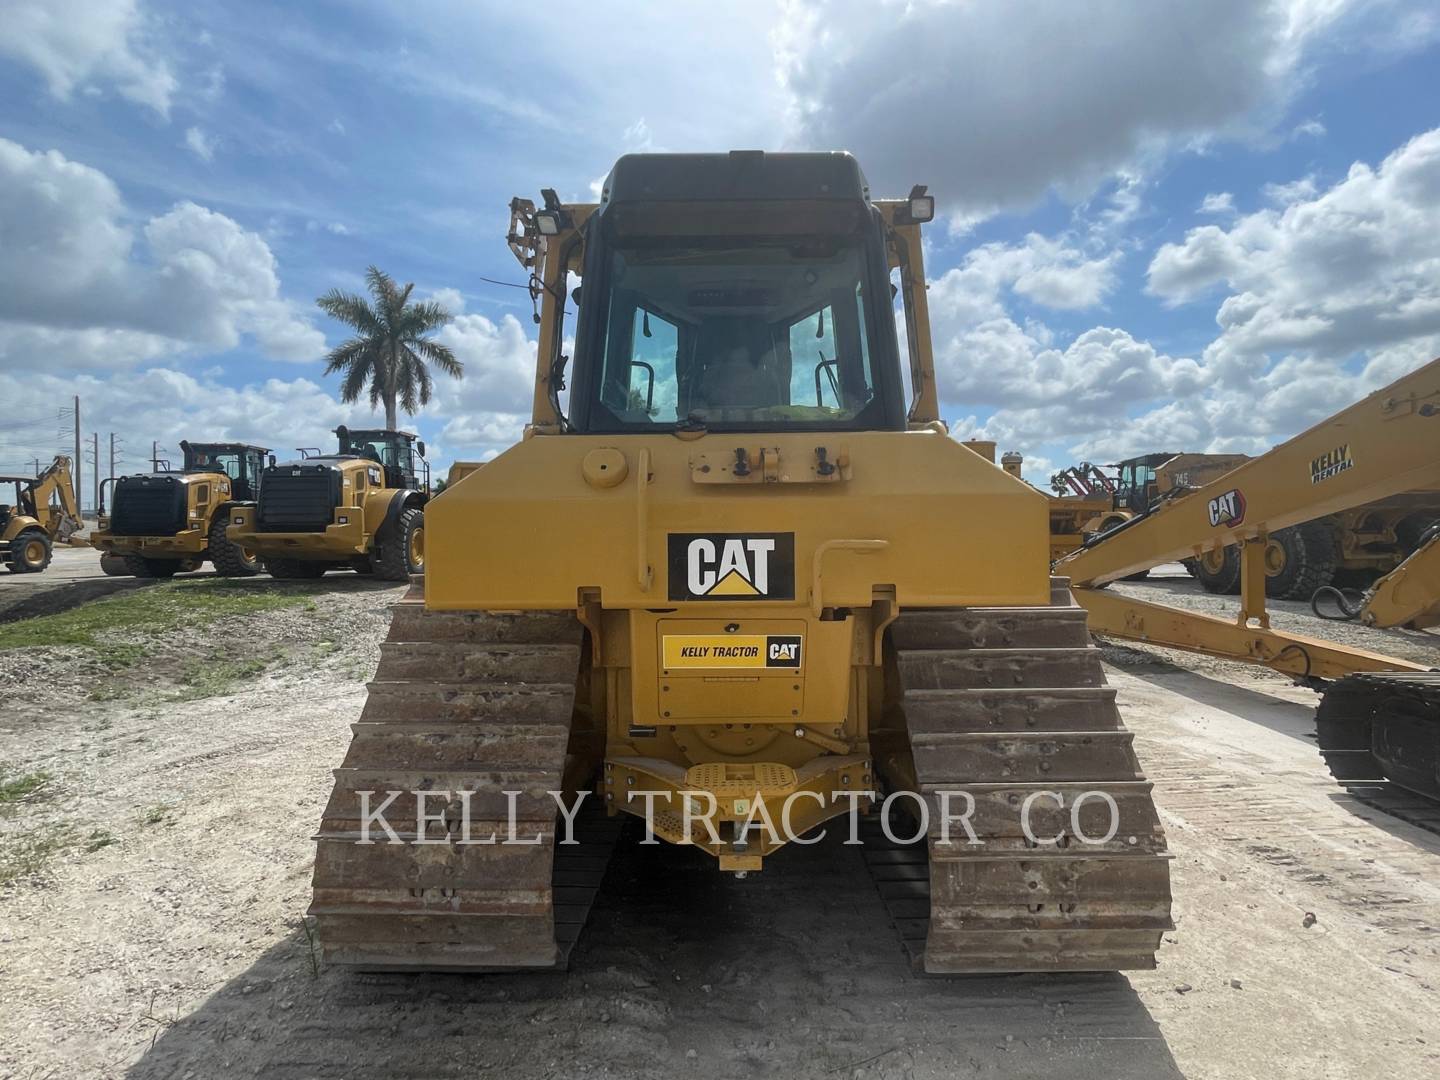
pixel 141 567
pixel 402 551
pixel 114 565
pixel 295 569
pixel 30 552
pixel 1219 571
pixel 1300 560
pixel 229 560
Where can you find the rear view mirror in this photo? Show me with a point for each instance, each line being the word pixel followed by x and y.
pixel 420 446
pixel 272 461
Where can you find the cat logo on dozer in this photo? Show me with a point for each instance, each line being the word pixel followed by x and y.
pixel 732 566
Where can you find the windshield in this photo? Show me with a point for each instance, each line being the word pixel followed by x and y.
pixel 226 461
pixel 720 335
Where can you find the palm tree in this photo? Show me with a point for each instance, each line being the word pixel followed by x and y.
pixel 392 348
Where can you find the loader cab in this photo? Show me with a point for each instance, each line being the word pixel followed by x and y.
pixel 1135 486
pixel 399 453
pixel 736 292
pixel 242 463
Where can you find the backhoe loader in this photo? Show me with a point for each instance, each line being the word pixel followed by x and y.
pixel 43 514
pixel 361 508
pixel 736 564
pixel 164 523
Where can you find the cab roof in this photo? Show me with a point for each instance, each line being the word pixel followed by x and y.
pixel 740 175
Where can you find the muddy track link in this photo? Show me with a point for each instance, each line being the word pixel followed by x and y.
pixel 462 701
pixel 1001 703
pixel 1380 734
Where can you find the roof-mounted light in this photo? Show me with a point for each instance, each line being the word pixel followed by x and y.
pixel 919 207
pixel 553 219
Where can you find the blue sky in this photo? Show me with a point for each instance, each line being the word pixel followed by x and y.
pixel 1155 235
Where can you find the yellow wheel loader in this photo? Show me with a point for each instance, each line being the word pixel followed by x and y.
pixel 164 523
pixel 361 508
pixel 742 585
pixel 44 512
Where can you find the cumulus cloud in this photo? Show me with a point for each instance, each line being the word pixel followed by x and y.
pixel 164 405
pixel 1356 267
pixel 90 45
pixel 486 410
pixel 994 104
pixel 72 265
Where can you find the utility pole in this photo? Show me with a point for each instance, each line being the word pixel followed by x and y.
pixel 154 455
pixel 78 485
pixel 95 477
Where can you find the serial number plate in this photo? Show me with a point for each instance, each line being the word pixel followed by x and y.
pixel 681 651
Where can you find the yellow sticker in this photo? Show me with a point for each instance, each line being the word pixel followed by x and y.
pixel 731 651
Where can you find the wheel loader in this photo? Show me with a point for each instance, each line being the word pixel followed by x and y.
pixel 735 563
pixel 44 512
pixel 165 522
pixel 361 508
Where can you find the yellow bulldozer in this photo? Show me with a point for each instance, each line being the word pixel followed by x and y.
pixel 44 512
pixel 167 522
pixel 361 508
pixel 738 582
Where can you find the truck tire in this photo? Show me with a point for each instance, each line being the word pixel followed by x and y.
pixel 402 552
pixel 30 552
pixel 1219 571
pixel 1300 560
pixel 295 569
pixel 114 565
pixel 142 567
pixel 229 560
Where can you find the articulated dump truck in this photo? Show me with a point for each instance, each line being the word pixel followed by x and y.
pixel 741 563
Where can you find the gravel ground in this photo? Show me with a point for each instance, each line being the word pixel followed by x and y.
pixel 160 934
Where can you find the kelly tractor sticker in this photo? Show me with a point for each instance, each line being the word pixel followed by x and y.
pixel 681 651
pixel 1227 510
pixel 1331 463
pixel 732 566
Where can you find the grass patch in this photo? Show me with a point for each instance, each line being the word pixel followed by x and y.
pixel 216 676
pixel 26 854
pixel 99 838
pixel 159 814
pixel 154 611
pixel 16 788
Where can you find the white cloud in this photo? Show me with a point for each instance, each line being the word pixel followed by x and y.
pixel 73 267
pixel 1310 129
pixel 166 405
pixel 1354 268
pixel 1219 203
pixel 88 45
pixel 200 144
pixel 1291 192
pixel 994 104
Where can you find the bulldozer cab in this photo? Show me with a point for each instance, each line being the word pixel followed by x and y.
pixel 240 462
pixel 765 310
pixel 399 453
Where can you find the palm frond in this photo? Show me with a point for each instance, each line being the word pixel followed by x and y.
pixel 349 309
pixel 439 355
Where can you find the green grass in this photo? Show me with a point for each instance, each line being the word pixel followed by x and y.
pixel 99 838
pixel 216 676
pixel 159 814
pixel 17 788
pixel 156 611
pixel 26 854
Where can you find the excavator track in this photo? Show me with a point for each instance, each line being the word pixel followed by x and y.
pixel 1380 734
pixel 462 701
pixel 1002 703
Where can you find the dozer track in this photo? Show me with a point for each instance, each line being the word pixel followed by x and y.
pixel 1380 734
pixel 1001 703
pixel 462 701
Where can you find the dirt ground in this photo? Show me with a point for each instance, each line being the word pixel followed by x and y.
pixel 155 854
